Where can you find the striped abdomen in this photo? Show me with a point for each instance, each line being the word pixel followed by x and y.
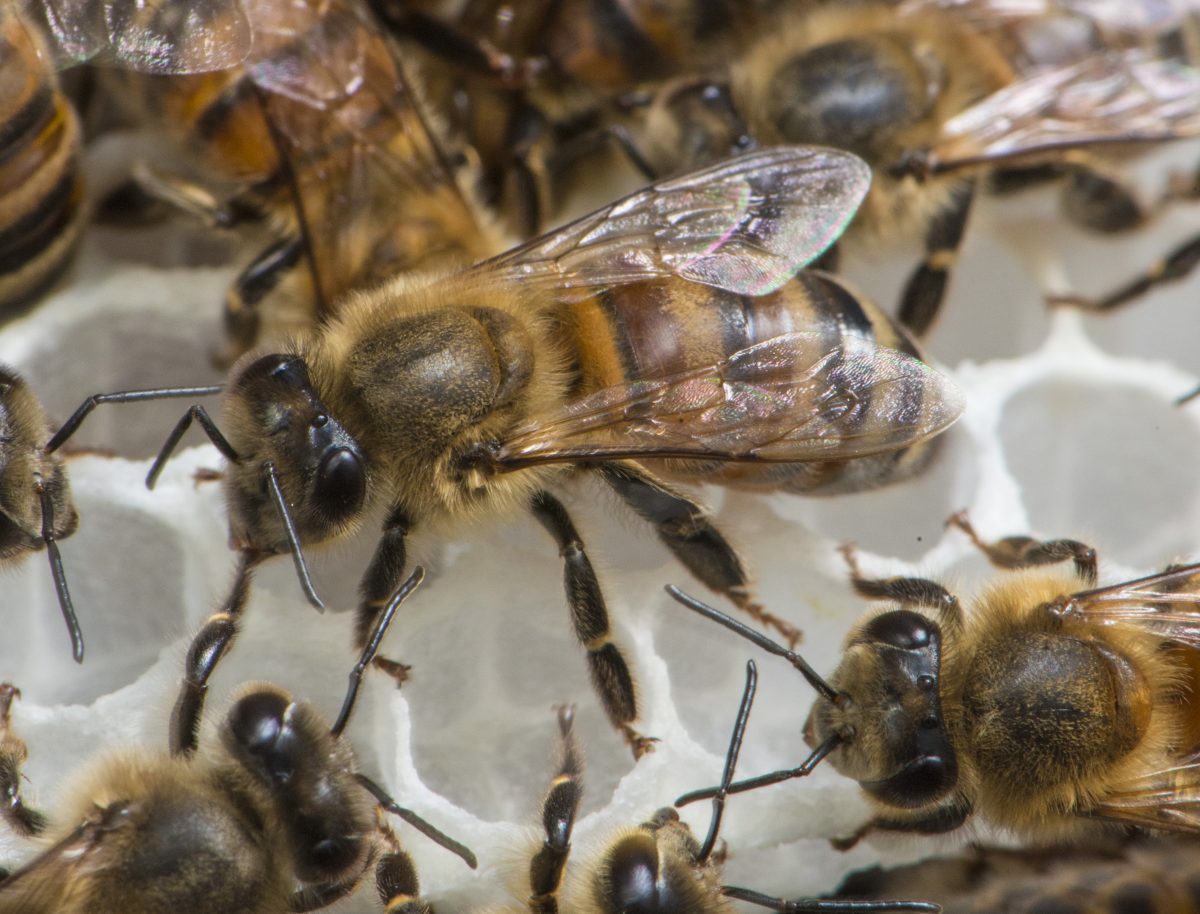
pixel 41 195
pixel 650 330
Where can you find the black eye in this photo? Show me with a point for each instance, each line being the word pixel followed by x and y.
pixel 341 484
pixel 900 628
pixel 633 877
pixel 262 736
pixel 277 368
pixel 921 781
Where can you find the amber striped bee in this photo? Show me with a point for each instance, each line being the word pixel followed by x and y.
pixel 527 82
pixel 320 133
pixel 1050 707
pixel 657 867
pixel 276 818
pixel 941 98
pixel 1149 874
pixel 664 335
pixel 41 188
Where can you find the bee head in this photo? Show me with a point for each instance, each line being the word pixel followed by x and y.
pixel 308 774
pixel 277 419
pixel 891 732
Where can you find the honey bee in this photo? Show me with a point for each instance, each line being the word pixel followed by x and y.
pixel 1150 874
pixel 664 331
pixel 939 97
pixel 529 81
pixel 36 507
pixel 277 819
pixel 321 134
pixel 1053 705
pixel 41 188
pixel 659 866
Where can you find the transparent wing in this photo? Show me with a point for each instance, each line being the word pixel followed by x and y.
pixel 373 189
pixel 1168 799
pixel 1116 97
pixel 152 36
pixel 746 225
pixel 1166 605
pixel 1113 17
pixel 784 400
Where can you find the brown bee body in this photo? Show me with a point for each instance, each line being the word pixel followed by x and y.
pixel 41 192
pixel 321 132
pixel 628 337
pixel 1045 707
pixel 274 818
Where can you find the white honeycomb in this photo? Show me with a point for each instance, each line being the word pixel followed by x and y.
pixel 1070 430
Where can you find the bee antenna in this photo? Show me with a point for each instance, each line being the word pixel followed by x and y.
pixel 368 654
pixel 194 413
pixel 56 567
pixel 804 769
pixel 771 647
pixel 731 756
pixel 1188 397
pixel 71 426
pixel 825 906
pixel 438 837
pixel 289 528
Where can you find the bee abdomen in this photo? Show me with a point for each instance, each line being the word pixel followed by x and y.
pixel 40 190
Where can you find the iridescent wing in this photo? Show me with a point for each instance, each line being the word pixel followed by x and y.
pixel 787 399
pixel 1166 605
pixel 745 225
pixel 373 190
pixel 1105 99
pixel 151 36
pixel 1168 799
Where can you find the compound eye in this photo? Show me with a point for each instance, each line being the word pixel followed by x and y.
pixel 633 876
pixel 341 483
pixel 277 368
pixel 257 725
pixel 922 781
pixel 900 628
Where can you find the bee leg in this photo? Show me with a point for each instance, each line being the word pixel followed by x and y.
pixel 942 818
pixel 13 752
pixel 610 674
pixel 558 818
pixel 1176 265
pixel 384 575
pixel 207 648
pixel 926 288
pixel 1026 552
pixel 905 591
pixel 687 530
pixel 259 279
pixel 1101 202
pixel 149 189
pixel 396 881
pixel 528 180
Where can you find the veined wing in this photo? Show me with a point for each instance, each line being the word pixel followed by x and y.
pixel 1166 605
pixel 745 225
pixel 787 399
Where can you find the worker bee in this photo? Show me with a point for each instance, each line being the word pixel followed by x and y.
pixel 319 133
pixel 1148 874
pixel 669 330
pixel 1051 706
pixel 529 82
pixel 658 866
pixel 41 188
pixel 940 97
pixel 276 819
pixel 36 507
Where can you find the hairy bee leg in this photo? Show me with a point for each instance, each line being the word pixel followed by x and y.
pixel 147 186
pixel 601 139
pixel 941 819
pixel 211 643
pixel 383 576
pixel 610 674
pixel 1176 265
pixel 13 752
pixel 1102 202
pixel 905 591
pixel 926 287
pixel 1026 552
pixel 259 279
pixel 528 180
pixel 558 819
pixel 686 529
